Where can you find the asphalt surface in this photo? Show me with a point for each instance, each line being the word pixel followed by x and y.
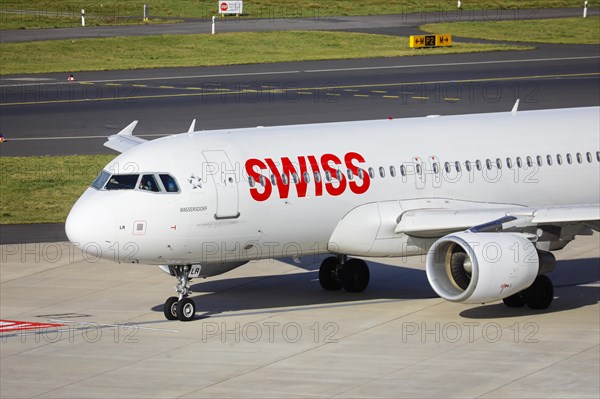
pixel 398 24
pixel 49 116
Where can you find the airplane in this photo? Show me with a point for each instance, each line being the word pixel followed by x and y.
pixel 486 197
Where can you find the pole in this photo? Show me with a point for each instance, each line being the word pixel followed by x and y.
pixel 82 17
pixel 213 24
pixel 145 12
pixel 585 9
pixel 459 5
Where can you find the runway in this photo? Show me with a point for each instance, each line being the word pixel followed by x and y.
pixel 267 330
pixel 45 115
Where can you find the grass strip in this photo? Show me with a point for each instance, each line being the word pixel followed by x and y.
pixel 43 189
pixel 208 50
pixel 556 31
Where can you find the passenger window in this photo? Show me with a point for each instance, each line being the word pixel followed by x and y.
pixel 381 171
pixel 371 173
pixel 339 175
pixel 327 175
pixel 589 156
pixel 549 159
pixel 488 164
pixel 540 161
pixel 457 166
pixel 478 164
pixel 579 158
pixel 122 182
pixel 295 178
pixel 498 163
pixel 509 163
pixel 418 167
pixel 559 159
pixel 468 165
pixel 251 181
pixel 529 162
pixel 598 156
pixel 169 182
pixel 569 159
pixel 519 162
pixel 262 180
pixel 446 167
pixel 436 168
pixel 403 170
pixel 101 180
pixel 317 176
pixel 350 174
pixel 284 179
pixel 392 171
pixel 306 177
pixel 273 180
pixel 361 174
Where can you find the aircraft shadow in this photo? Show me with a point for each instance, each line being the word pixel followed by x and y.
pixel 301 291
pixel 266 294
pixel 570 292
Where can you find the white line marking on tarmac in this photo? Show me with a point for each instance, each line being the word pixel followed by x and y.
pixel 79 137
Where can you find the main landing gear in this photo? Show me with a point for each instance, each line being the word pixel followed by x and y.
pixel 339 272
pixel 180 308
pixel 538 296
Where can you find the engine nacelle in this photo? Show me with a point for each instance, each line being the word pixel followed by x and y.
pixel 481 267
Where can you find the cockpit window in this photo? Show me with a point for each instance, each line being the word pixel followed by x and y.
pixel 101 180
pixel 122 182
pixel 148 182
pixel 169 183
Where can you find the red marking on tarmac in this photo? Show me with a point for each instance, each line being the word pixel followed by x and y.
pixel 16 325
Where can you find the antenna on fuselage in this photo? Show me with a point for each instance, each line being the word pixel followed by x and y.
pixel 515 107
pixel 192 127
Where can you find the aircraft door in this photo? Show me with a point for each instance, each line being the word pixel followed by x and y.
pixel 223 174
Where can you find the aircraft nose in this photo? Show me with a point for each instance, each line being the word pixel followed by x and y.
pixel 90 224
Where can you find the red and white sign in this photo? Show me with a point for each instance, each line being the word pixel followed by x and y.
pixel 231 7
pixel 15 325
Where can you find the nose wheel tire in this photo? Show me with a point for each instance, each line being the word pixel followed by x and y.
pixel 186 309
pixel 170 308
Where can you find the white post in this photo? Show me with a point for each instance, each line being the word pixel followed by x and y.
pixel 82 17
pixel 145 12
pixel 213 24
pixel 459 5
pixel 585 9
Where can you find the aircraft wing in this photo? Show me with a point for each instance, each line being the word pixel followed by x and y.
pixel 124 140
pixel 438 222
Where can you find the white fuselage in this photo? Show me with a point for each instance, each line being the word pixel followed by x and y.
pixel 232 205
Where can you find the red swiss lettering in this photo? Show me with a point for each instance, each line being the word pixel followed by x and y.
pixel 252 173
pixel 366 179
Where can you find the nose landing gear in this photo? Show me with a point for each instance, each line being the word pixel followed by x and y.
pixel 180 308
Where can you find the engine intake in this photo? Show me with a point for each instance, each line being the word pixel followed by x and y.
pixel 484 267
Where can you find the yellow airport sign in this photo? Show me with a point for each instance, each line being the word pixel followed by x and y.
pixel 424 41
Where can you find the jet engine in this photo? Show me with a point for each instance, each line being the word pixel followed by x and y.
pixel 484 267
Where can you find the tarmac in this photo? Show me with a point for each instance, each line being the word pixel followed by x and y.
pixel 268 330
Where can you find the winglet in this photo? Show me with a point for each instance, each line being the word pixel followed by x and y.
pixel 192 127
pixel 128 131
pixel 515 107
pixel 124 140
